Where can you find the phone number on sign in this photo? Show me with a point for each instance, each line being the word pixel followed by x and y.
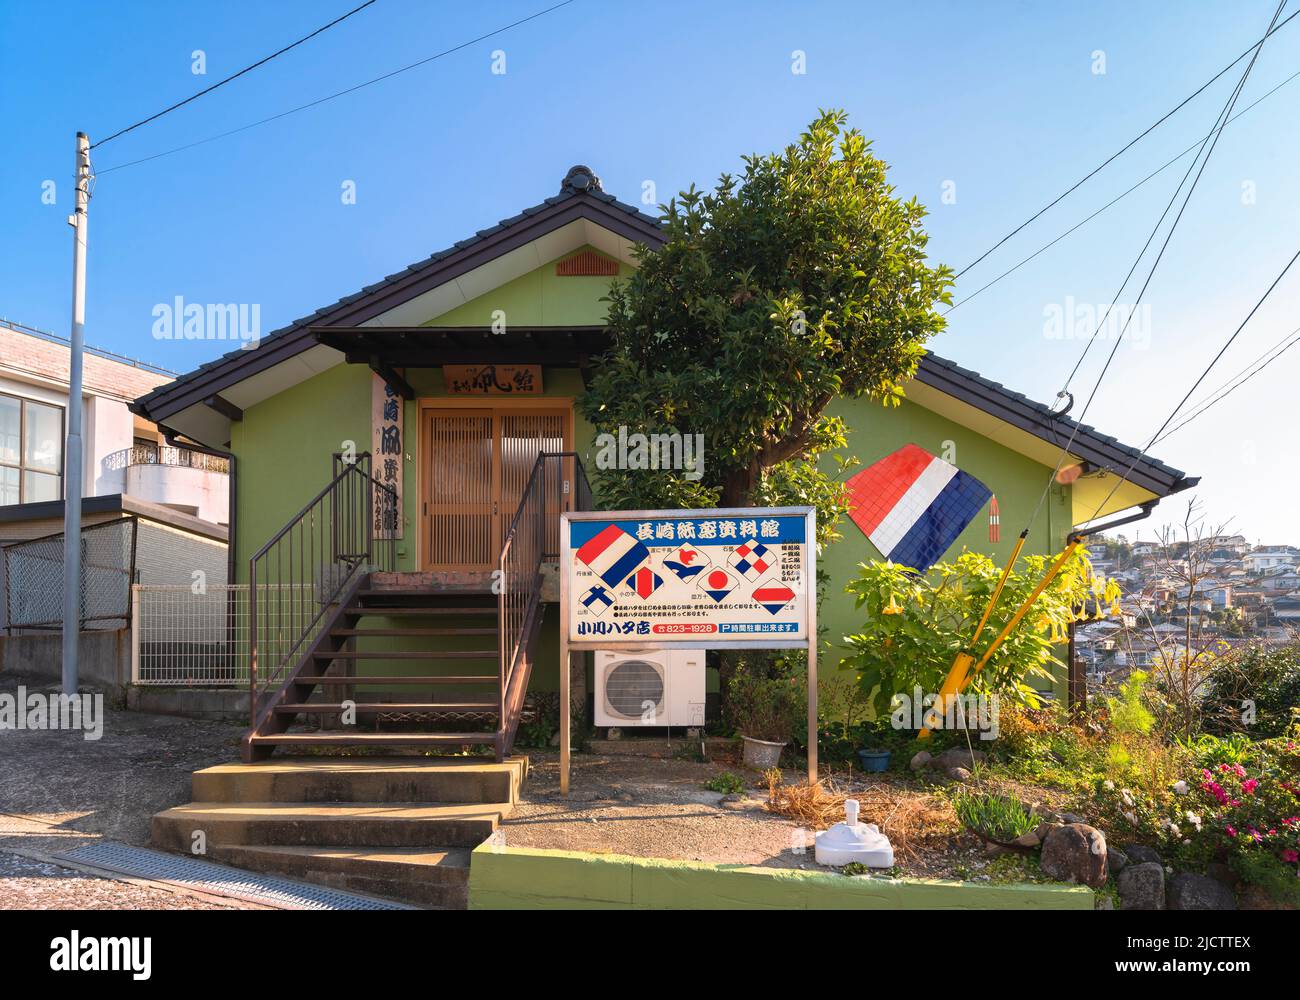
pixel 694 628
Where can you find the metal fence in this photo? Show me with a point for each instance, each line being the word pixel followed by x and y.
pixel 183 638
pixel 34 578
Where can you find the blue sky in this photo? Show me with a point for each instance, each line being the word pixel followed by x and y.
pixel 998 101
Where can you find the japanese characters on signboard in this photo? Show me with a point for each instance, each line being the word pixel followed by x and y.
pixel 494 380
pixel 387 448
pixel 688 576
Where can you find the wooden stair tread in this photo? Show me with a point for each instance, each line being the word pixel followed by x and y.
pixel 383 611
pixel 405 654
pixel 365 680
pixel 372 739
pixel 414 632
pixel 388 706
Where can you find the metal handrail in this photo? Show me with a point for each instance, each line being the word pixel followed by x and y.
pixel 525 548
pixel 309 562
pixel 168 455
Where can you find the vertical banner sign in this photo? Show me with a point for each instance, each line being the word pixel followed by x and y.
pixel 387 447
pixel 707 578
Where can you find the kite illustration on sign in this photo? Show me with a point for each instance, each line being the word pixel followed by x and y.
pixel 597 600
pixel 774 597
pixel 645 582
pixel 687 562
pixel 753 559
pixel 913 505
pixel 613 554
pixel 718 583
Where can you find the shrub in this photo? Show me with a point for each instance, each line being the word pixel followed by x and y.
pixel 997 817
pixel 1254 690
pixel 915 625
pixel 726 783
pixel 767 706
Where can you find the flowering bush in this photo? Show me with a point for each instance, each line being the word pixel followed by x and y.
pixel 1252 815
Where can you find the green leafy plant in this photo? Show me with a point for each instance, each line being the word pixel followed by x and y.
pixel 996 817
pixel 801 280
pixel 726 783
pixel 1253 690
pixel 766 707
pixel 914 626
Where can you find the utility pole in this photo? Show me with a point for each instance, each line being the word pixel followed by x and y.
pixel 72 460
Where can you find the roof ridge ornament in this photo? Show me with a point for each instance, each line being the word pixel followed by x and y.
pixel 580 178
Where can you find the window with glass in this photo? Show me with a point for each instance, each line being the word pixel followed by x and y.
pixel 31 451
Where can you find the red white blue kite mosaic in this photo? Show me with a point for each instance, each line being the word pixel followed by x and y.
pixel 913 505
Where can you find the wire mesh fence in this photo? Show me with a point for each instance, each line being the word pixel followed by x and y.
pixel 199 637
pixel 34 578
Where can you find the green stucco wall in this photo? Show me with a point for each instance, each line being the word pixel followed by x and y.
pixel 284 447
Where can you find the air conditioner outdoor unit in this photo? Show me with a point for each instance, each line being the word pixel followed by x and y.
pixel 650 689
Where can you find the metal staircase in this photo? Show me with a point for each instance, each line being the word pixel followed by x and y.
pixel 337 636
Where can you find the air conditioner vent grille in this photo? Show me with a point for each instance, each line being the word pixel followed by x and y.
pixel 629 685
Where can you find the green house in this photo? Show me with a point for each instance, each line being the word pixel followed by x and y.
pixel 453 376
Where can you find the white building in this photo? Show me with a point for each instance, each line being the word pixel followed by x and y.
pixel 124 454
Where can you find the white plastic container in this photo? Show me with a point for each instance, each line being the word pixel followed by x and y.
pixel 853 842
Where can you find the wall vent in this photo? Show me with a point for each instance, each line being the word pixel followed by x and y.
pixel 586 263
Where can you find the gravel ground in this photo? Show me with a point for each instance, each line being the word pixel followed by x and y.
pixel 649 807
pixel 59 791
pixel 26 884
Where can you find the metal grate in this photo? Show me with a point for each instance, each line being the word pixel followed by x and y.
pixel 34 577
pixel 634 687
pixel 205 876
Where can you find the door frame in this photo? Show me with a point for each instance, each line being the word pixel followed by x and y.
pixel 560 404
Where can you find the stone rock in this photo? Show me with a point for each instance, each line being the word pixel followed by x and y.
pixel 1199 892
pixel 1141 886
pixel 1044 828
pixel 1072 818
pixel 1104 903
pixel 922 758
pixel 1140 854
pixel 1030 839
pixel 957 757
pixel 959 774
pixel 1220 872
pixel 1075 852
pixel 1116 860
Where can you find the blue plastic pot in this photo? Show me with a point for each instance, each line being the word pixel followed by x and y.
pixel 874 760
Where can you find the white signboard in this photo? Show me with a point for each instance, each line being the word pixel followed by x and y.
pixel 689 578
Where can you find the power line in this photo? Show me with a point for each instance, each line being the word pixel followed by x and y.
pixel 1236 382
pixel 1223 117
pixel 233 76
pixel 341 93
pixel 1079 225
pixel 1133 142
pixel 1196 385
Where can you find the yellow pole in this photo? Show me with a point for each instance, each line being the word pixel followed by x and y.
pixel 962 672
pixel 956 679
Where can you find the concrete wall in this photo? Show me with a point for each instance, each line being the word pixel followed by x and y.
pixel 104 656
pixel 517 878
pixel 201 492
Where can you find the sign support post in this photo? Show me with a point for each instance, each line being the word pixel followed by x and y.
pixel 687 579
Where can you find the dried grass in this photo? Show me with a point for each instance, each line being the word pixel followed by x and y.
pixel 912 820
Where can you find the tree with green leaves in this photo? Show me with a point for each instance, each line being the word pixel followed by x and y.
pixel 801 280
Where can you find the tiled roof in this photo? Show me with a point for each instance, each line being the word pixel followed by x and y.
pixel 26 354
pixel 582 184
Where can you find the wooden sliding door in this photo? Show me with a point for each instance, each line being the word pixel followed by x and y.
pixel 475 463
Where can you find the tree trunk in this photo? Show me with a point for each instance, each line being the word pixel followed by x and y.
pixel 737 486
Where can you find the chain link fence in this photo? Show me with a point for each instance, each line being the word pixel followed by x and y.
pixel 34 578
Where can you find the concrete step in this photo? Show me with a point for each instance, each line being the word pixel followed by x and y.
pixel 434 877
pixel 363 779
pixel 359 824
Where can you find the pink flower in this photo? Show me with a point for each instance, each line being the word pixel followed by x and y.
pixel 1232 832
pixel 1291 855
pixel 1249 785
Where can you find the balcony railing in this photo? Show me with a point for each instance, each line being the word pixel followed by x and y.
pixel 165 454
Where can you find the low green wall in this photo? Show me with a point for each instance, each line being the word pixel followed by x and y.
pixel 521 878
